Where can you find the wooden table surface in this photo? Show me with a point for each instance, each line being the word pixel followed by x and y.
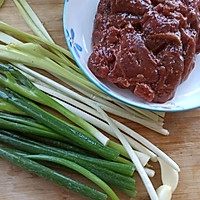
pixel 183 144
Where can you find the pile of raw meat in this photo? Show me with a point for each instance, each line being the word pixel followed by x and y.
pixel 147 46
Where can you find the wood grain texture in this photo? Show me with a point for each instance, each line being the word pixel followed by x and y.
pixel 182 145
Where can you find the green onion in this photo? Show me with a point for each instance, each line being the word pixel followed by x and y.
pixel 30 126
pixel 33 93
pixel 28 38
pixel 101 168
pixel 23 120
pixel 33 129
pixel 33 21
pixel 17 123
pixel 28 90
pixel 57 125
pixel 80 170
pixel 130 193
pixel 51 175
pixel 36 147
pixel 43 34
pixel 11 70
pixel 7 107
pixel 59 144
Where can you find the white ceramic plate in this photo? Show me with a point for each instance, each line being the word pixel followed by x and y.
pixel 78 20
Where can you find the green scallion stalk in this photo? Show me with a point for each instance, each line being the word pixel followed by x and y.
pixel 15 122
pixel 13 55
pixel 61 145
pixel 37 27
pixel 34 147
pixel 23 120
pixel 57 124
pixel 80 170
pixel 13 126
pixel 40 170
pixel 28 90
pixel 119 181
pixel 101 168
pixel 39 132
pixel 29 38
pixel 9 108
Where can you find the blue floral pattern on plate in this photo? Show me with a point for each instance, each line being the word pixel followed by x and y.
pixel 76 47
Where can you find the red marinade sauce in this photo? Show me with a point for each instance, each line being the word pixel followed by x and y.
pixel 147 46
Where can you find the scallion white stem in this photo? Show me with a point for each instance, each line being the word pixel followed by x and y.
pixel 87 117
pixel 121 126
pixel 98 123
pixel 105 127
pixel 7 39
pixel 161 114
pixel 149 124
pixel 31 38
pixel 134 158
pixel 148 144
pixel 35 20
pixel 118 112
pixel 28 20
pixel 146 113
pixel 150 172
pixel 143 157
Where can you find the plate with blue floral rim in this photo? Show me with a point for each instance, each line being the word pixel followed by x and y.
pixel 78 21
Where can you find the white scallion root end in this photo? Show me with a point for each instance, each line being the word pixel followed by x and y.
pixel 164 192
pixel 169 175
pixel 151 173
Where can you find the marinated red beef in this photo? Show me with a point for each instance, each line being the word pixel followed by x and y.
pixel 136 7
pixel 147 46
